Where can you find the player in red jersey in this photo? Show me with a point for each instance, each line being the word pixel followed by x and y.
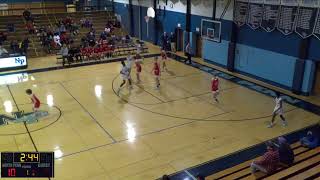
pixel 164 59
pixel 156 72
pixel 34 99
pixel 215 87
pixel 138 61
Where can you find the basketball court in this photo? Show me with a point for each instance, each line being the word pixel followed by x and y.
pixel 138 134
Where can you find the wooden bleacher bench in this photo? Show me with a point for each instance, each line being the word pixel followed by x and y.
pixel 298 159
pixel 312 159
pixel 239 167
pixel 243 171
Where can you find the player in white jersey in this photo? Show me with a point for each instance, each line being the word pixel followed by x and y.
pixel 125 74
pixel 129 62
pixel 278 110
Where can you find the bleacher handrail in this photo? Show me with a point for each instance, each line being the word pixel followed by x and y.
pixel 44 10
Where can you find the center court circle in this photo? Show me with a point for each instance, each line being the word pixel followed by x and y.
pixel 16 128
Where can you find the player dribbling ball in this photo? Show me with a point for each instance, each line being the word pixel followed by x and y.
pixel 125 74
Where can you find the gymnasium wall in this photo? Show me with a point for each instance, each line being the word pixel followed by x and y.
pixel 270 57
pixel 168 18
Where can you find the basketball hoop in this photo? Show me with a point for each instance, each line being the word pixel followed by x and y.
pixel 146 18
pixel 150 14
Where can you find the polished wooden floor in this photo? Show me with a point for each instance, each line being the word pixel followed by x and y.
pixel 143 133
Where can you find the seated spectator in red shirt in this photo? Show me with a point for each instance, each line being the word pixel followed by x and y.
pixel 269 162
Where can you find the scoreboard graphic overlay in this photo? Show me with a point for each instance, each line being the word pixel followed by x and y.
pixel 27 164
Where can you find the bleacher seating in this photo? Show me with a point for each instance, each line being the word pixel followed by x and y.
pixel 306 166
pixel 99 19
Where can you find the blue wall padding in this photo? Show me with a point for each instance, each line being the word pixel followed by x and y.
pixel 215 52
pixel 186 37
pixel 298 75
pixel 179 39
pixel 265 64
pixel 309 75
pixel 193 42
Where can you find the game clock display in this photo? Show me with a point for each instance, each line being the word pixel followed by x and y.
pixel 27 164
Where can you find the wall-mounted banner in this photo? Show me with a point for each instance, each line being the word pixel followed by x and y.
pixel 254 13
pixel 287 16
pixel 306 18
pixel 270 15
pixel 316 29
pixel 240 12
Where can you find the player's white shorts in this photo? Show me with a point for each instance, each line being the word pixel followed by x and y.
pixel 278 111
pixel 125 77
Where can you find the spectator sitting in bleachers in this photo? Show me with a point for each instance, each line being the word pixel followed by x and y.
pixel 269 161
pixel 88 23
pixel 3 51
pixel 64 51
pixel 103 35
pixel 14 46
pixel 11 27
pixel 74 52
pixel 117 24
pixel 91 39
pixel 310 140
pixel 107 29
pixel 74 29
pixel 285 152
pixel 3 37
pixel 47 41
pixel 62 28
pixel 67 22
pixel 25 45
pixel 82 22
pixel 64 38
pixel 27 15
pixel 56 39
pixel 42 36
pixel 42 29
pixel 126 39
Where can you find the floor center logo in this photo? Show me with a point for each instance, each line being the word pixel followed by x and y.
pixel 21 117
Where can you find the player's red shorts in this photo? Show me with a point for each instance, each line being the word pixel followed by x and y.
pixel 36 105
pixel 139 69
